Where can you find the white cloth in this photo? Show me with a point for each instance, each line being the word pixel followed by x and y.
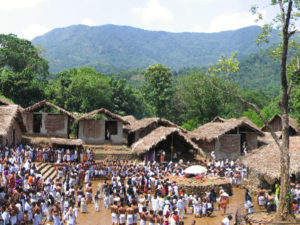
pixel 226 221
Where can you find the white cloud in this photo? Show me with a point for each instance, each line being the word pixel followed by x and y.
pixel 10 5
pixel 154 13
pixel 34 30
pixel 230 21
pixel 88 22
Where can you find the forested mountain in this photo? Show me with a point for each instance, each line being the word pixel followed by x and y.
pixel 112 48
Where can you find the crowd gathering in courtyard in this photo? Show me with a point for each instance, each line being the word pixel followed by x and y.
pixel 134 193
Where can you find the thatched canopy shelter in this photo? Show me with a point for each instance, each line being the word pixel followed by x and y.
pixel 63 142
pixel 267 161
pixel 275 123
pixel 40 105
pixel 102 111
pixel 11 124
pixel 213 130
pixel 159 135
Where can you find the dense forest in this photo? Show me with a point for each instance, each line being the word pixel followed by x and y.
pixel 187 97
pixel 111 48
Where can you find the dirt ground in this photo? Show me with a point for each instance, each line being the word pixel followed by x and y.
pixel 104 218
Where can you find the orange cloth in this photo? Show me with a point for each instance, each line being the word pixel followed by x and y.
pixel 30 180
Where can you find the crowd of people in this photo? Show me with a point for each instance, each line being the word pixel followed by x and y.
pixel 132 192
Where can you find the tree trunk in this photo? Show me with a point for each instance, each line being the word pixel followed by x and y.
pixel 284 211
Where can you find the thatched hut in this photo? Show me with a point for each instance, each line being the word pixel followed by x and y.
pixel 168 139
pixel 66 143
pixel 46 119
pixel 226 137
pixel 99 126
pixel 276 123
pixel 266 168
pixel 11 125
pixel 141 128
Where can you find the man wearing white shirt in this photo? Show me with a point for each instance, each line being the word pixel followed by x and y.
pixel 226 220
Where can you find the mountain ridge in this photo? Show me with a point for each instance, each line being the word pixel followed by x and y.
pixel 111 48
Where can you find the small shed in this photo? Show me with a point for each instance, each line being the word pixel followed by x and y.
pixel 11 125
pixel 46 119
pixel 266 168
pixel 141 128
pixel 168 139
pixel 276 123
pixel 66 143
pixel 99 126
pixel 226 137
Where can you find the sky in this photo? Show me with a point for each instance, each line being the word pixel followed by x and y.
pixel 31 18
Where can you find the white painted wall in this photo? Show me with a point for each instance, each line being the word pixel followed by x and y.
pixel 59 133
pixel 118 138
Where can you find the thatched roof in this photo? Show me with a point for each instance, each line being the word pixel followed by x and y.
pixel 267 159
pixel 130 119
pixel 64 141
pixel 5 102
pixel 154 122
pixel 41 104
pixel 8 114
pixel 292 123
pixel 212 130
pixel 158 135
pixel 105 112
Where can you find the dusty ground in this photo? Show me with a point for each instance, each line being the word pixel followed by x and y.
pixel 104 218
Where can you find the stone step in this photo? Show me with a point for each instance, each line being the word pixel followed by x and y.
pixel 41 167
pixel 45 169
pixel 53 176
pixel 49 173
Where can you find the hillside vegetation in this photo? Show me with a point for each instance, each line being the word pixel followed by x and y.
pixel 112 48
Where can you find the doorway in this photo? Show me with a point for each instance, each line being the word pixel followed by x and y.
pixel 243 143
pixel 14 137
pixel 37 123
pixel 111 128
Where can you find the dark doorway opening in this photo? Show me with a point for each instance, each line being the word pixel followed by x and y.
pixel 111 128
pixel 37 123
pixel 243 143
pixel 14 136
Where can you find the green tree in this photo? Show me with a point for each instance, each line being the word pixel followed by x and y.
pixel 80 90
pixel 23 72
pixel 127 100
pixel 158 90
pixel 19 55
pixel 196 99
